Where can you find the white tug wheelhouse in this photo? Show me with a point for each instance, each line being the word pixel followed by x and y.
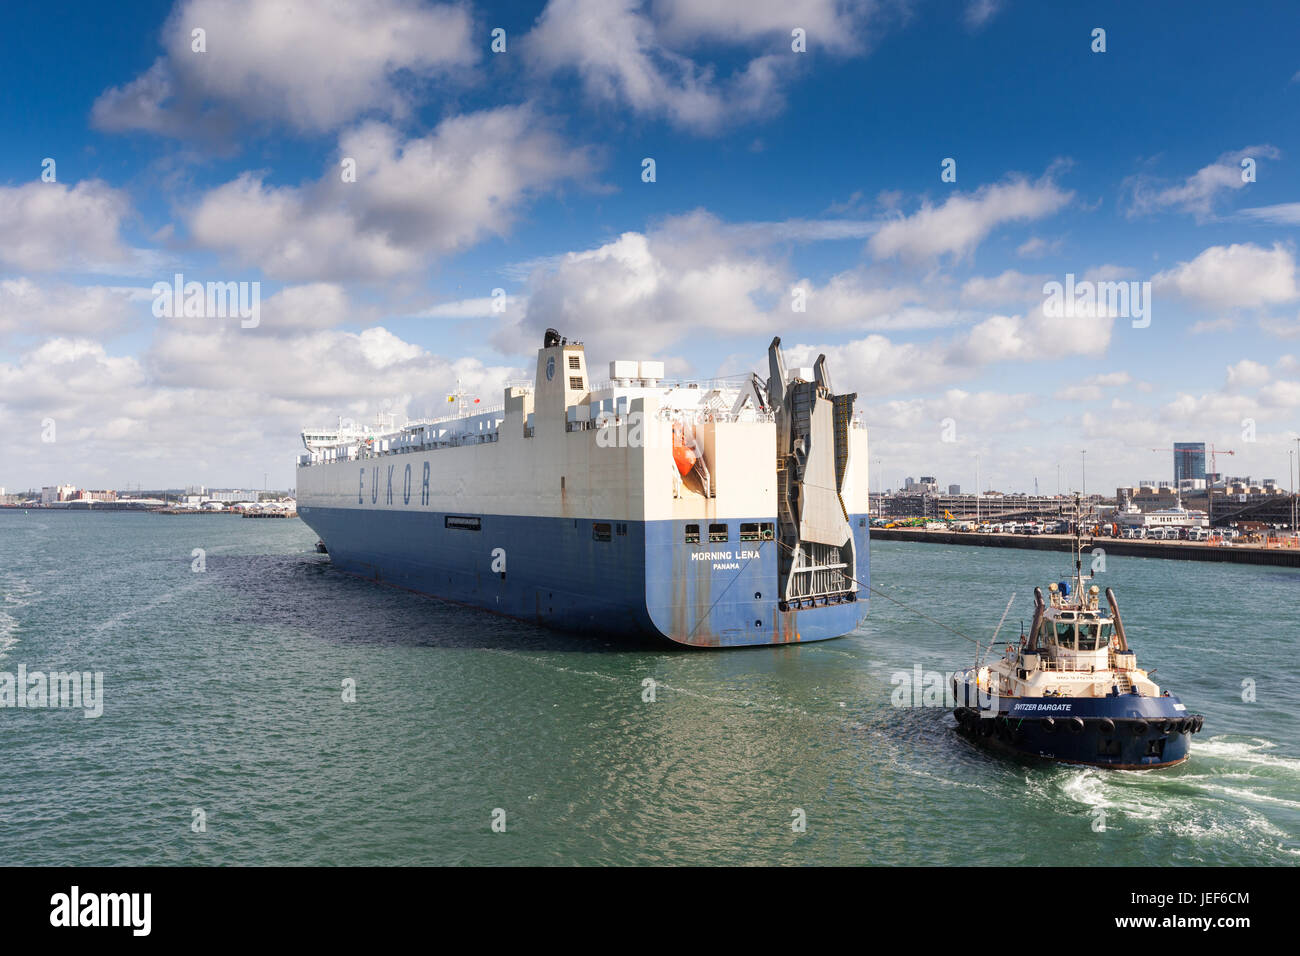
pixel 1074 649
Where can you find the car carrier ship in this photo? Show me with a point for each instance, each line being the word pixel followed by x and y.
pixel 715 514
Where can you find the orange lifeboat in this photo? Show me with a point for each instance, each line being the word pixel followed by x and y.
pixel 683 457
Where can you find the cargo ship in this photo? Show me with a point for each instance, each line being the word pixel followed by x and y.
pixel 721 513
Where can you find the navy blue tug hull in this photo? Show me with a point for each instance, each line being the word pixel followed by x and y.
pixel 1119 733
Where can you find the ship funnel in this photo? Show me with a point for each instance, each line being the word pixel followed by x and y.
pixel 1040 611
pixel 1122 638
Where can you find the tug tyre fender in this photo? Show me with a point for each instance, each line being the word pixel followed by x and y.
pixel 1048 724
pixel 1107 725
pixel 1075 725
pixel 1139 727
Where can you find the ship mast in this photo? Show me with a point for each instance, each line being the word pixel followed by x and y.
pixel 1078 546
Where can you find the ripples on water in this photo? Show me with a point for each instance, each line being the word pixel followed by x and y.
pixel 223 692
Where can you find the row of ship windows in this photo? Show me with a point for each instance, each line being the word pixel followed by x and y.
pixel 605 531
pixel 749 531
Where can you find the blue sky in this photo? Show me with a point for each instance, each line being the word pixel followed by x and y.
pixel 775 171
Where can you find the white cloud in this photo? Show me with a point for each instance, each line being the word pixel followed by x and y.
pixel 801 230
pixel 1215 408
pixel 212 403
pixel 1206 326
pixel 1282 328
pixel 632 56
pixel 1246 374
pixel 1034 337
pixel 693 276
pixel 64 378
pixel 876 365
pixel 412 201
pixel 1092 388
pixel 922 421
pixel 850 300
pixel 829 24
pixel 317 305
pixel 1285 395
pixel 1239 276
pixel 962 221
pixel 290 312
pixel 1283 214
pixel 51 227
pixel 315 66
pixel 139 104
pixel 1009 288
pixel 1198 193
pixel 332 369
pixel 33 309
pixel 642 292
pixel 980 12
pixel 1036 247
pixel 483 307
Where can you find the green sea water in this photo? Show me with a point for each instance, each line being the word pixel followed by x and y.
pixel 224 702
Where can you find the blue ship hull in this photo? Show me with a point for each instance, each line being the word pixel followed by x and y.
pixel 1125 732
pixel 645 580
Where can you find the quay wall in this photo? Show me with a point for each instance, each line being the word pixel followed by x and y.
pixel 1181 550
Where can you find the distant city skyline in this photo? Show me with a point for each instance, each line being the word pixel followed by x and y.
pixel 396 209
pixel 1288 482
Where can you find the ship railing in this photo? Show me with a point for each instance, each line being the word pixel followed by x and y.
pixel 470 411
pixel 1058 667
pixel 366 454
pixel 703 415
pixel 726 383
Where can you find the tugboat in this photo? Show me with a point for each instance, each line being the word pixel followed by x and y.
pixel 1071 690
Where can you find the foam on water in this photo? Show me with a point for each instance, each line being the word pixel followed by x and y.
pixel 1249 750
pixel 15 592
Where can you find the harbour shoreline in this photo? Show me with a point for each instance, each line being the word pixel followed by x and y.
pixel 1180 550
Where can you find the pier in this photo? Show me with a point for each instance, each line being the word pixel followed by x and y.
pixel 1138 548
